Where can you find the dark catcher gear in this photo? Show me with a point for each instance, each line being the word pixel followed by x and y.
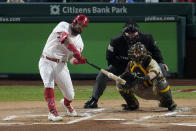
pixel 138 81
pixel 137 53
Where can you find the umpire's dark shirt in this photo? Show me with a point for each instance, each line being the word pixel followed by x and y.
pixel 117 51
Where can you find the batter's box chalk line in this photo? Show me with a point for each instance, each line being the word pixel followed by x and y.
pixel 184 109
pixel 111 119
pixel 169 114
pixel 85 114
pixel 90 113
pixel 183 124
pixel 21 116
pixel 94 110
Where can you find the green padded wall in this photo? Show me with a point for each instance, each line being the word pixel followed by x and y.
pixel 21 44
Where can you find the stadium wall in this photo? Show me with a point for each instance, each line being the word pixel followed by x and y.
pixel 25 28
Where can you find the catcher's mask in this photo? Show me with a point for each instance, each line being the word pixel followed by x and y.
pixel 137 52
pixel 130 31
pixel 81 19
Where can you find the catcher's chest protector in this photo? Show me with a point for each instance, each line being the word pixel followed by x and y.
pixel 141 70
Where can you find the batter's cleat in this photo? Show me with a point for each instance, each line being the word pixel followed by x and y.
pixel 130 107
pixel 70 110
pixel 52 117
pixel 91 103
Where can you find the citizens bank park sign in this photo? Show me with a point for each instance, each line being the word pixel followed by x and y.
pixel 90 10
pixel 44 12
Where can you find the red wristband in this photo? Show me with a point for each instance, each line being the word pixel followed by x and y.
pixel 72 47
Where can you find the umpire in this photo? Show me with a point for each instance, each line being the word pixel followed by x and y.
pixel 117 57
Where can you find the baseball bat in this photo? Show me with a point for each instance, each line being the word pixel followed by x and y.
pixel 109 74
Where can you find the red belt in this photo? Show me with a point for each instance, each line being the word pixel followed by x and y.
pixel 52 59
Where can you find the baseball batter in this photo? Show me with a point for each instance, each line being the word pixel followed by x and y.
pixel 63 44
pixel 145 79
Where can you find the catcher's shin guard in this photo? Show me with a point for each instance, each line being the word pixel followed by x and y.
pixel 132 102
pixel 167 101
pixel 166 96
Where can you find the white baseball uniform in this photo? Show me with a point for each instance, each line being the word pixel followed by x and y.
pixel 52 72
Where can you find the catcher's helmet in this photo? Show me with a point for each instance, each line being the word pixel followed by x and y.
pixel 81 19
pixel 137 52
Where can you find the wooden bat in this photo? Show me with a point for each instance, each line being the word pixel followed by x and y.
pixel 109 74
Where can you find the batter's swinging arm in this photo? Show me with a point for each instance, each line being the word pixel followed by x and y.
pixel 109 74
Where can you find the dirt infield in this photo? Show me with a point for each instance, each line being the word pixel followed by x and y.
pixel 32 115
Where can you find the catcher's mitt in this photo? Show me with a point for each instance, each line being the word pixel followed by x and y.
pixel 130 78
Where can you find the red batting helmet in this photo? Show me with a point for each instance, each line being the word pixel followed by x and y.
pixel 81 19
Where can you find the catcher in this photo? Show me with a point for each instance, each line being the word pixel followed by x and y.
pixel 145 79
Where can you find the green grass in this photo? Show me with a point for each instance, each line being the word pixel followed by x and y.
pixel 35 93
pixel 183 94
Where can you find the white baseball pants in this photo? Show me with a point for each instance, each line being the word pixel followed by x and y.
pixel 52 72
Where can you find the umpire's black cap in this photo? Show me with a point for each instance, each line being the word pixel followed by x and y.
pixel 131 27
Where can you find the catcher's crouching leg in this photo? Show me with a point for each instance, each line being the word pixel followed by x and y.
pixel 132 102
pixel 166 96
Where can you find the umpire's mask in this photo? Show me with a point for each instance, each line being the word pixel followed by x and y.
pixel 131 32
pixel 137 53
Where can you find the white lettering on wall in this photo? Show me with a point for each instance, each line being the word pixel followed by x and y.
pixel 59 10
